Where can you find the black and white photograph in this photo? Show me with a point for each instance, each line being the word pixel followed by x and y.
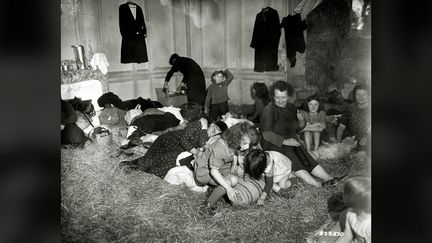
pixel 215 120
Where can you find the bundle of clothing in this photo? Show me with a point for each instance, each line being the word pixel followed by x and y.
pixel 111 99
pixel 115 109
pixel 71 133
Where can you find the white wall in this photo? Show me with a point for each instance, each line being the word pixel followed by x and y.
pixel 215 33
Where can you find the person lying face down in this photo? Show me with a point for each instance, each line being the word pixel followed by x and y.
pixel 159 122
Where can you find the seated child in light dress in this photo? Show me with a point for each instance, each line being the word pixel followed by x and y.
pixel 315 122
pixel 275 167
pixel 357 196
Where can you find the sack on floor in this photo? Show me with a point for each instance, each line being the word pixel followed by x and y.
pixel 109 116
pixel 102 136
pixel 73 135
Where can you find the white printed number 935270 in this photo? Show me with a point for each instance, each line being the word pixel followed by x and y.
pixel 329 233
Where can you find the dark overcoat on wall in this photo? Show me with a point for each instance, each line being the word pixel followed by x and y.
pixel 295 42
pixel 133 32
pixel 193 77
pixel 265 40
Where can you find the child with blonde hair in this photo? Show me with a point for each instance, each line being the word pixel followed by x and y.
pixel 357 196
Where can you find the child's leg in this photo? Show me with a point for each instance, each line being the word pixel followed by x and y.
pixel 216 194
pixel 213 113
pixel 304 175
pixel 223 109
pixel 308 140
pixel 220 191
pixel 317 136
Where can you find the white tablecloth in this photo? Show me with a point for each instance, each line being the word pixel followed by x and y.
pixel 90 89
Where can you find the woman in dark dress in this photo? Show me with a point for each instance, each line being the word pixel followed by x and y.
pixel 280 122
pixel 193 78
pixel 162 154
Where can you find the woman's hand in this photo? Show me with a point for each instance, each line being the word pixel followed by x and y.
pixel 204 123
pixel 291 142
pixel 231 194
pixel 166 87
pixel 299 115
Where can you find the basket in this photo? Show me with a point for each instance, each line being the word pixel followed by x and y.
pixel 104 138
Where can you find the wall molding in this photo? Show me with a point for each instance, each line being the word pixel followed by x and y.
pixel 243 74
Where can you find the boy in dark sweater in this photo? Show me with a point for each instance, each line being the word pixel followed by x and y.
pixel 216 102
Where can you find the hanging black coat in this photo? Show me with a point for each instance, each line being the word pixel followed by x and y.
pixel 265 40
pixel 133 32
pixel 293 28
pixel 193 77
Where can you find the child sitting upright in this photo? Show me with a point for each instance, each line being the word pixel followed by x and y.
pixel 357 196
pixel 315 118
pixel 275 167
pixel 216 102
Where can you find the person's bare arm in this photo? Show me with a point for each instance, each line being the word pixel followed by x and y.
pixel 339 132
pixel 220 179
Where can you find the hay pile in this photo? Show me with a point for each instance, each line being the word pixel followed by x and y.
pixel 336 151
pixel 100 202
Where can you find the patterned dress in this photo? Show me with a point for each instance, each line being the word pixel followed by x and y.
pixel 162 154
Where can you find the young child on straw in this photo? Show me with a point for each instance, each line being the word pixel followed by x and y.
pixel 315 122
pixel 216 102
pixel 274 166
pixel 357 196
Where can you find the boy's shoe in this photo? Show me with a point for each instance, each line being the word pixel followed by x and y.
pixel 209 190
pixel 207 209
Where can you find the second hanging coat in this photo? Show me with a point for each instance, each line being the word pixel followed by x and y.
pixel 133 32
pixel 265 40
